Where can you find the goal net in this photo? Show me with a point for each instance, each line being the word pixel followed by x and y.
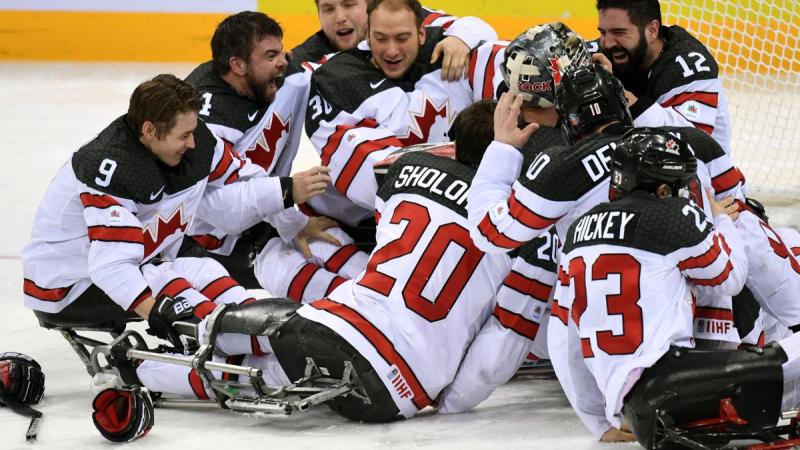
pixel 757 46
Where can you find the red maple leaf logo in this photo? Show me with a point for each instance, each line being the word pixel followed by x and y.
pixel 555 70
pixel 423 122
pixel 156 232
pixel 266 144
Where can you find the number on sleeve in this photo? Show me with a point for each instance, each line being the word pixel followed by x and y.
pixel 206 109
pixel 107 168
pixel 699 66
pixel 539 163
pixel 700 221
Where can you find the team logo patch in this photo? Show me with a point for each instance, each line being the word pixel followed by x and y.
pixel 498 212
pixel 114 215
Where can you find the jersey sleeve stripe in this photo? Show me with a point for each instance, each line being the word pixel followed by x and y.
pixel 704 260
pixel 431 17
pixel 175 287
pixel 701 312
pixel 488 80
pixel 795 251
pixel 208 241
pixel 301 281
pixel 255 347
pixel 44 294
pixel 560 312
pixel 340 257
pixel 357 159
pixel 202 309
pixel 335 139
pixel 490 232
pixel 727 180
pixel 383 345
pixel 131 235
pixel 525 216
pixel 707 98
pixel 335 282
pixel 716 281
pixel 196 384
pixel 218 287
pixel 233 177
pixel 223 165
pixel 146 293
pixel 528 286
pixel 473 61
pixel 516 323
pixel 98 201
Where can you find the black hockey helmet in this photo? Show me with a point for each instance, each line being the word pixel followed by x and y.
pixel 535 60
pixel 589 96
pixel 648 157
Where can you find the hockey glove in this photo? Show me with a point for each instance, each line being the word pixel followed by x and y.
pixel 166 311
pixel 123 414
pixel 21 378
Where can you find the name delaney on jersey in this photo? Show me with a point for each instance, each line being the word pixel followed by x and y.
pixel 435 181
pixel 604 226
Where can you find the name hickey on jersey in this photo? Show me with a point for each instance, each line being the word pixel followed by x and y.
pixel 433 180
pixel 612 225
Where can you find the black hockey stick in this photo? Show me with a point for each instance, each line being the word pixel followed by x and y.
pixel 25 410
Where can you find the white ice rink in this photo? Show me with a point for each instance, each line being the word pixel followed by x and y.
pixel 47 110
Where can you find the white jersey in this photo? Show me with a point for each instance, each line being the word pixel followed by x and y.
pixel 628 275
pixel 267 136
pixel 112 208
pixel 356 117
pixel 426 291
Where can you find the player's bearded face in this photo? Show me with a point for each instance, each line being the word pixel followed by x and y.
pixel 265 67
pixel 394 39
pixel 170 148
pixel 344 22
pixel 627 61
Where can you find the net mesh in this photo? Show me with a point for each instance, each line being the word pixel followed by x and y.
pixel 757 46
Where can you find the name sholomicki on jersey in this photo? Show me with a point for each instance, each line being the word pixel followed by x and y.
pixel 114 207
pixel 627 274
pixel 426 290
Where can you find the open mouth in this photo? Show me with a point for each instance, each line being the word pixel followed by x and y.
pixel 392 63
pixel 619 55
pixel 345 32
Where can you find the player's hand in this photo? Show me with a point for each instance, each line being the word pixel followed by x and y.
pixel 309 183
pixel 630 98
pixel 315 229
pixel 505 122
pixel 616 435
pixel 725 206
pixel 455 54
pixel 603 60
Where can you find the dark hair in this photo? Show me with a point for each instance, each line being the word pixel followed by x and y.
pixel 237 35
pixel 641 12
pixel 160 100
pixel 396 5
pixel 474 131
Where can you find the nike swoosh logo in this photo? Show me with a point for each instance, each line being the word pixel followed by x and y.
pixel 155 196
pixel 252 116
pixel 375 85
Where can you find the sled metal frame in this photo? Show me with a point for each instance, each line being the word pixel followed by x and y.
pixel 254 396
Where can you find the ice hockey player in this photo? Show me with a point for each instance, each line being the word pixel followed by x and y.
pixel 670 78
pixel 620 334
pixel 255 100
pixel 106 234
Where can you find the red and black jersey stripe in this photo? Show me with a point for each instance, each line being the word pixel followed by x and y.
pixel 146 293
pixel 209 241
pixel 216 288
pixel 713 313
pixel 44 294
pixel 197 385
pixel 528 286
pixel 175 287
pixel 98 201
pixel 560 312
pixel 704 260
pixel 300 281
pixel 382 345
pixel 335 282
pixel 493 235
pixel 357 159
pixel 340 258
pixel 526 216
pixel 716 281
pixel 516 322
pixel 335 139
pixel 224 163
pixel 727 180
pixel 488 81
pixel 131 235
